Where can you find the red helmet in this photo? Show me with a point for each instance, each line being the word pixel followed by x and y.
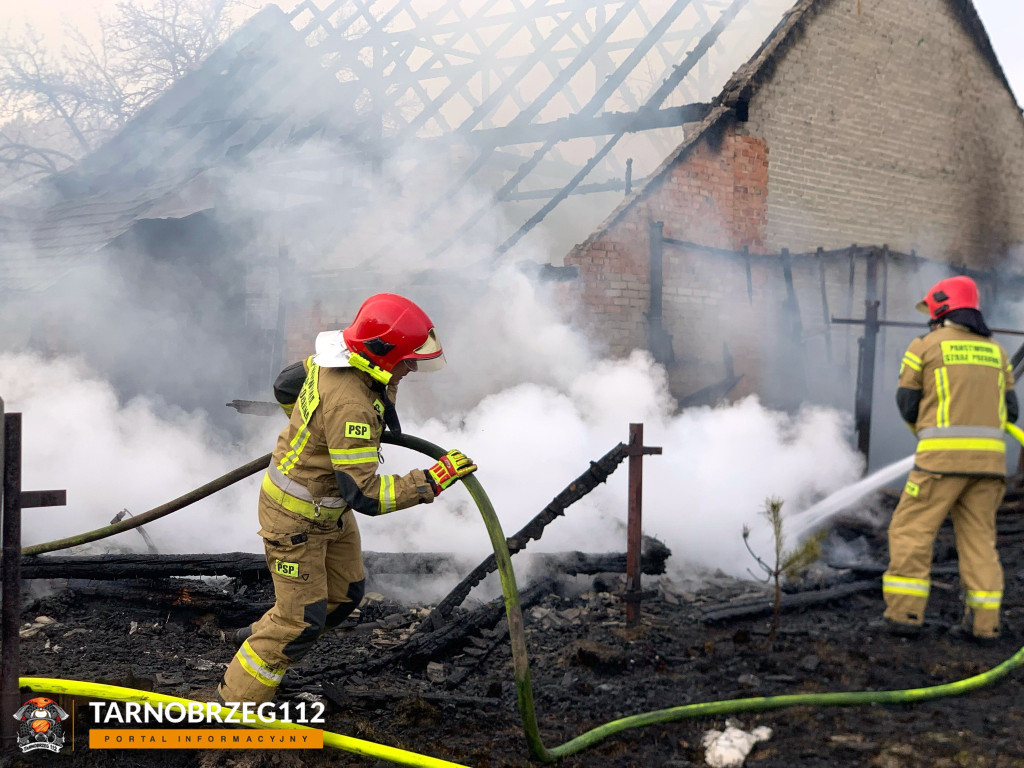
pixel 958 292
pixel 390 328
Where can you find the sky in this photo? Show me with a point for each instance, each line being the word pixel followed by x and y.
pixel 1004 20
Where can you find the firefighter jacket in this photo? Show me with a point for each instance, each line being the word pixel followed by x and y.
pixel 326 459
pixel 955 389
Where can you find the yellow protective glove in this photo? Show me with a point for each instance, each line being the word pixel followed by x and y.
pixel 449 468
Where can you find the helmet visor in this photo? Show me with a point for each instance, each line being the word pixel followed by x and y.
pixel 428 356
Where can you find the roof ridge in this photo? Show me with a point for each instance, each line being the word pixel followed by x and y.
pixel 742 85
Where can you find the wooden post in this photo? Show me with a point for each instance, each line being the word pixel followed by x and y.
pixel 750 282
pixel 659 341
pixel 849 302
pixel 635 451
pixel 864 398
pixel 10 662
pixel 866 381
pixel 14 500
pixel 824 305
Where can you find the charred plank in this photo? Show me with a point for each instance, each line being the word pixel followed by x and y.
pixel 347 696
pixel 251 565
pixel 747 608
pixel 597 473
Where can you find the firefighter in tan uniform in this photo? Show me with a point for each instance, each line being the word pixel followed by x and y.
pixel 956 393
pixel 323 470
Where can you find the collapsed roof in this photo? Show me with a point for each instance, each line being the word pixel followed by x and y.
pixel 529 103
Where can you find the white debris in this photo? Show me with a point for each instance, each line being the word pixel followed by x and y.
pixel 435 672
pixel 29 630
pixel 729 748
pixel 199 664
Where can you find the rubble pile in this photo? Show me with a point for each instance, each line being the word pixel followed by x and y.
pixel 587 668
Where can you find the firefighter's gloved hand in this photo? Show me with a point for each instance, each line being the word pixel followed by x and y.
pixel 449 468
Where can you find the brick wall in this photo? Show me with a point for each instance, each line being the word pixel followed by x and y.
pixel 881 123
pixel 716 197
pixel 886 124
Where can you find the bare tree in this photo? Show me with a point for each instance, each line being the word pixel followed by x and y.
pixel 55 109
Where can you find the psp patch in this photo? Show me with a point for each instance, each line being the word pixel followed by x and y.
pixel 357 429
pixel 290 570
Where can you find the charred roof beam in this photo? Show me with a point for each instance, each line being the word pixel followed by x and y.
pixel 655 101
pixel 597 100
pixel 579 126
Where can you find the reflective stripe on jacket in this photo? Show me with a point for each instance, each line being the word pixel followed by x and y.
pixel 963 379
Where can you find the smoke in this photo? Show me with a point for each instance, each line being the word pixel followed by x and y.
pixel 529 437
pixel 109 455
pixel 524 394
pixel 717 467
pixel 143 348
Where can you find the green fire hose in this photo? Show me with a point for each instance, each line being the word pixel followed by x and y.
pixel 521 667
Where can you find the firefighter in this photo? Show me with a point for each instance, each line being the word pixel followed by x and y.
pixel 956 393
pixel 323 470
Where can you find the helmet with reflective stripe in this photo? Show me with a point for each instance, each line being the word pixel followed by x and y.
pixel 389 329
pixel 958 292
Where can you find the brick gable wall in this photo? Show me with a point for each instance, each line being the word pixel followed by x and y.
pixel 881 123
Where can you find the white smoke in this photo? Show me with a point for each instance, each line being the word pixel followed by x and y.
pixel 529 439
pixel 524 394
pixel 717 467
pixel 109 455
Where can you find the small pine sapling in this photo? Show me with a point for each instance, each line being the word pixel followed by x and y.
pixel 788 564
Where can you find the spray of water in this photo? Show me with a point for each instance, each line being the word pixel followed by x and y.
pixel 811 519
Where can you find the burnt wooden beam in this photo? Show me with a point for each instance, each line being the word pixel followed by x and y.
pixel 748 608
pixel 920 325
pixel 347 696
pixel 652 562
pixel 421 648
pixel 245 564
pixel 147 566
pixel 578 126
pixel 597 473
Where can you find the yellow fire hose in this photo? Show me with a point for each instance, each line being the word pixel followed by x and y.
pixel 521 670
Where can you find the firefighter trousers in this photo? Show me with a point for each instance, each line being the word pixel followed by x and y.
pixel 971 502
pixel 317 569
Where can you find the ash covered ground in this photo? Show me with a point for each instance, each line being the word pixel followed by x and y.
pixel 587 668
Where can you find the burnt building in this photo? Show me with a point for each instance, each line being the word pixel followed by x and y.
pixel 882 123
pixel 714 164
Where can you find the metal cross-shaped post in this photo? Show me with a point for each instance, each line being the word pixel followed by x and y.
pixel 636 451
